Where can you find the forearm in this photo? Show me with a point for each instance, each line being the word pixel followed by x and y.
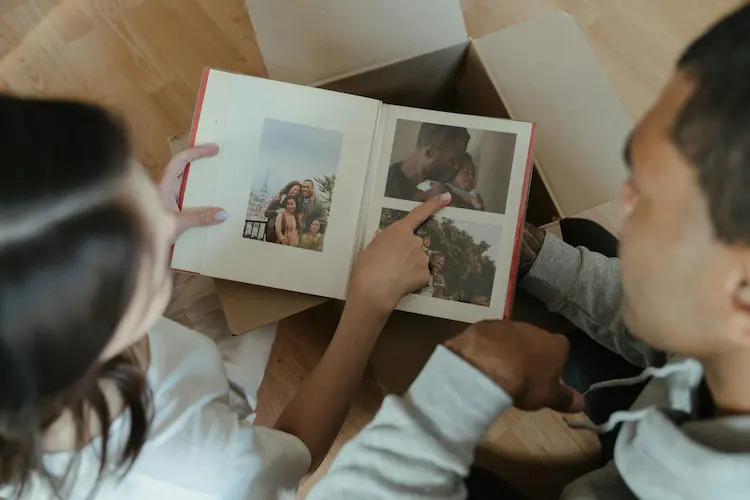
pixel 318 410
pixel 584 287
pixel 420 445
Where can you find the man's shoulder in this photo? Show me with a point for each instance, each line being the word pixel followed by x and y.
pixel 397 184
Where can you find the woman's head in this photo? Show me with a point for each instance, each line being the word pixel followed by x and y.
pixel 465 175
pixel 292 189
pixel 315 227
pixel 291 205
pixel 437 261
pixel 84 241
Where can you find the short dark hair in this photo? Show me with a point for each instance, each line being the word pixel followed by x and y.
pixel 712 129
pixel 70 252
pixel 433 134
pixel 465 158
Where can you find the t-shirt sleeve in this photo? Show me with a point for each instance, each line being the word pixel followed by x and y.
pixel 268 464
pixel 421 445
pixel 261 462
pixel 217 453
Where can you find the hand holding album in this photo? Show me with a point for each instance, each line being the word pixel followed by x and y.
pixel 169 189
pixel 318 173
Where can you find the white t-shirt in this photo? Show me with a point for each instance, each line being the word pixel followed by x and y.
pixel 200 447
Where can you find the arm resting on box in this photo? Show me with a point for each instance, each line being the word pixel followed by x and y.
pixel 420 445
pixel 584 287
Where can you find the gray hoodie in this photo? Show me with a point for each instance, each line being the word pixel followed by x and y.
pixel 421 445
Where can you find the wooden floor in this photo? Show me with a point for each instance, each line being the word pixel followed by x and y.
pixel 143 58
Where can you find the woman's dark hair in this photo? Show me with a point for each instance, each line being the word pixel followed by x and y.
pixel 70 250
pixel 285 190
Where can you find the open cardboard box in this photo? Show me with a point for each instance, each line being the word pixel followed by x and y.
pixel 418 54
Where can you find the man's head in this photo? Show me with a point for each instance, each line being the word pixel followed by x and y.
pixel 440 146
pixel 308 188
pixel 686 239
pixel 437 261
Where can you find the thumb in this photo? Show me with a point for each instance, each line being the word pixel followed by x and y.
pixel 197 217
pixel 567 400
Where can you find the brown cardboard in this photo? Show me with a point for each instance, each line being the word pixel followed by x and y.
pixel 541 71
pixel 248 307
pixel 546 73
pixel 315 41
pixel 423 81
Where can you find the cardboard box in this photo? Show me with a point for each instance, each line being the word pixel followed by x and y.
pixel 418 54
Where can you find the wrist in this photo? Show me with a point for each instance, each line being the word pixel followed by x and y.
pixel 531 245
pixel 367 302
pixel 365 309
pixel 499 370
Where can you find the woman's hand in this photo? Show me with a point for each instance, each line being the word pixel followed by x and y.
pixel 394 264
pixel 169 187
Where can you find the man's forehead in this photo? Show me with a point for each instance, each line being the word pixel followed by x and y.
pixel 652 135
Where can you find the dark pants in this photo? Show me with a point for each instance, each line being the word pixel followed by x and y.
pixel 588 363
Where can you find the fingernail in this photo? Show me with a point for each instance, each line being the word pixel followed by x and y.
pixel 220 215
pixel 445 196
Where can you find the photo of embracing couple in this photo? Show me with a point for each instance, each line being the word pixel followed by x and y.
pixel 429 159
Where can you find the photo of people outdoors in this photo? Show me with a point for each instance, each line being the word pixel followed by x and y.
pixel 430 159
pixel 458 250
pixel 292 188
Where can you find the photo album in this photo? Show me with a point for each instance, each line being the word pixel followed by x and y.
pixel 309 176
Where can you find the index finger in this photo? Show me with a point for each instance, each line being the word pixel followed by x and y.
pixel 421 213
pixel 177 164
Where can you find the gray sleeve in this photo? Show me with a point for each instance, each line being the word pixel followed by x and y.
pixel 421 445
pixel 584 287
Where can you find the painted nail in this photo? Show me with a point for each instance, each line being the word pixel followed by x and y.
pixel 220 215
pixel 445 196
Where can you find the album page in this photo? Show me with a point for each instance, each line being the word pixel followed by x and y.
pixel 473 244
pixel 291 175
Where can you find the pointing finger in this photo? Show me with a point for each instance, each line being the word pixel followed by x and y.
pixel 421 213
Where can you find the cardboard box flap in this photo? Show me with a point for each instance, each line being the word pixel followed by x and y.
pixel 314 41
pixel 545 72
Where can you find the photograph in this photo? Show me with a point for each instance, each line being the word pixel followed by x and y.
pixel 460 268
pixel 429 159
pixel 292 187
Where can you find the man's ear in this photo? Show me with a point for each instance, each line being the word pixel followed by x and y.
pixel 741 305
pixel 429 151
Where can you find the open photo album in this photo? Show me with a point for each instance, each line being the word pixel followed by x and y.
pixel 309 176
